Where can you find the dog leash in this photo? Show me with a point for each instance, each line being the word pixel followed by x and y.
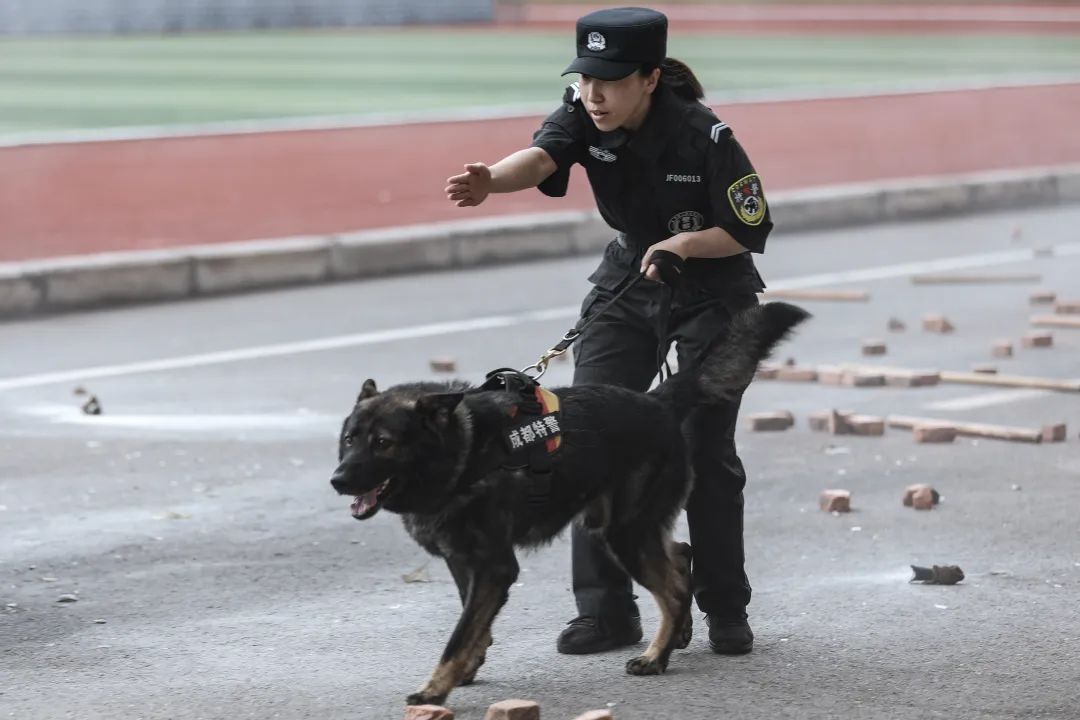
pixel 670 267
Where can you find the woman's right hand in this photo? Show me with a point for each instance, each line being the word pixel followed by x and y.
pixel 470 188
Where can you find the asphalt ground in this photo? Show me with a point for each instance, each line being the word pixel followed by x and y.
pixel 218 576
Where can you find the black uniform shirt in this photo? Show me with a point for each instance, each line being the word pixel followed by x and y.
pixel 682 170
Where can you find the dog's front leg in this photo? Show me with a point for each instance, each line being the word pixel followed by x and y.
pixel 488 592
pixel 463 578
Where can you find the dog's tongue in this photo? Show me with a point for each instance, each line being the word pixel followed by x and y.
pixel 363 503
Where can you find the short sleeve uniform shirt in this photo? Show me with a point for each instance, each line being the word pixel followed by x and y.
pixel 682 170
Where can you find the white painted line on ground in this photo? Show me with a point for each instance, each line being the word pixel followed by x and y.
pixel 519 110
pixel 199 423
pixel 971 402
pixel 377 337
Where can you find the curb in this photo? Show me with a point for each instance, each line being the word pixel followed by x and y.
pixel 82 282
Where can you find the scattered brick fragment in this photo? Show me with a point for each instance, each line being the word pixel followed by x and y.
pixel 596 715
pixel 837 424
pixel 1067 307
pixel 443 364
pixel 1038 340
pixel 796 374
pixel 934 433
pixel 873 347
pixel 937 575
pixel 924 491
pixel 1003 349
pixel 866 425
pixel 771 421
pixel 984 369
pixel 830 375
pixel 766 372
pixel 897 325
pixel 937 323
pixel 1054 433
pixel 863 379
pixel 912 378
pixel 427 712
pixel 1042 298
pixel 835 500
pixel 513 710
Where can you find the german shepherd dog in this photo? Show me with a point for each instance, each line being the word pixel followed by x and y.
pixel 434 453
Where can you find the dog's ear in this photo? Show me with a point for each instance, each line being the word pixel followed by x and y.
pixel 368 391
pixel 436 409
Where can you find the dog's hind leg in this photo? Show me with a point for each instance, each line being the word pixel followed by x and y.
pixel 464 653
pixel 651 558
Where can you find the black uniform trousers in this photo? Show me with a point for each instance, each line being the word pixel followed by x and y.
pixel 620 348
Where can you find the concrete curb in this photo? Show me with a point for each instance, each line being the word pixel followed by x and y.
pixel 81 282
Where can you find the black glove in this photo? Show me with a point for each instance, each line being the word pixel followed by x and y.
pixel 669 266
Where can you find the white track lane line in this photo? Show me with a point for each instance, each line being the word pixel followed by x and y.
pixel 379 337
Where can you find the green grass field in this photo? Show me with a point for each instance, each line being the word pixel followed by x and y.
pixel 51 83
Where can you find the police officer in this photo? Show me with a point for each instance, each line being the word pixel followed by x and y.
pixel 667 175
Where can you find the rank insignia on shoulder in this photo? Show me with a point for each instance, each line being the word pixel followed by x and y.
pixel 572 94
pixel 719 130
pixel 748 199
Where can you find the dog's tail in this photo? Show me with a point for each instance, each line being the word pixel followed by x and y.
pixel 729 363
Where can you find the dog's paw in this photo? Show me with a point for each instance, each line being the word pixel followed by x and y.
pixel 645 665
pixel 425 697
pixel 686 634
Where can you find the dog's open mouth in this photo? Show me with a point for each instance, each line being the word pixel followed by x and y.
pixel 366 505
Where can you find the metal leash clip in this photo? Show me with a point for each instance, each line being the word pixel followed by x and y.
pixel 541 365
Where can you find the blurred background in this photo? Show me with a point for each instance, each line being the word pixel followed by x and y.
pixel 395 95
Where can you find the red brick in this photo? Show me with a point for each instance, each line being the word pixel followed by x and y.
pixel 937 323
pixel 1054 433
pixel 866 425
pixel 766 372
pixel 596 715
pixel 863 379
pixel 897 325
pixel 1043 298
pixel 771 421
pixel 513 710
pixel 873 347
pixel 835 501
pixel 921 497
pixel 427 712
pixel 911 490
pixel 838 424
pixel 1067 307
pixel 1003 349
pixel 934 433
pixel 912 378
pixel 830 375
pixel 443 364
pixel 819 421
pixel 1038 340
pixel 796 374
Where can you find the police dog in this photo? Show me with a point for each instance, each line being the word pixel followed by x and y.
pixel 434 453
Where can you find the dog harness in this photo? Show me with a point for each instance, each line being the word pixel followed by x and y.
pixel 531 432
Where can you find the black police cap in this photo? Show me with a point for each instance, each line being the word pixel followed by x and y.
pixel 614 42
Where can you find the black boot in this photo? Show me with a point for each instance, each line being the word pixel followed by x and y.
pixel 730 635
pixel 587 634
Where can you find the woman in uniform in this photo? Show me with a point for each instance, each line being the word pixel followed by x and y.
pixel 666 175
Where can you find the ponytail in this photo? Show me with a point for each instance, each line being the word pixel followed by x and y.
pixel 676 75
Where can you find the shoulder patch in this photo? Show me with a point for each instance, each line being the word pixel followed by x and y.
pixel 748 199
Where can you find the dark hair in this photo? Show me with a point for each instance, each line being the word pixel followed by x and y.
pixel 679 77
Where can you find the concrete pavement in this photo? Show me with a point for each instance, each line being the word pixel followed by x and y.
pixel 194 517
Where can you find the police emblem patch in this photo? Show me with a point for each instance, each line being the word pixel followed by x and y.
pixel 748 199
pixel 602 154
pixel 596 42
pixel 686 221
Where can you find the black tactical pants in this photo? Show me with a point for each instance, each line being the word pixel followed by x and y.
pixel 620 348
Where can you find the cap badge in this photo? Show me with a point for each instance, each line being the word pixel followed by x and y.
pixel 596 42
